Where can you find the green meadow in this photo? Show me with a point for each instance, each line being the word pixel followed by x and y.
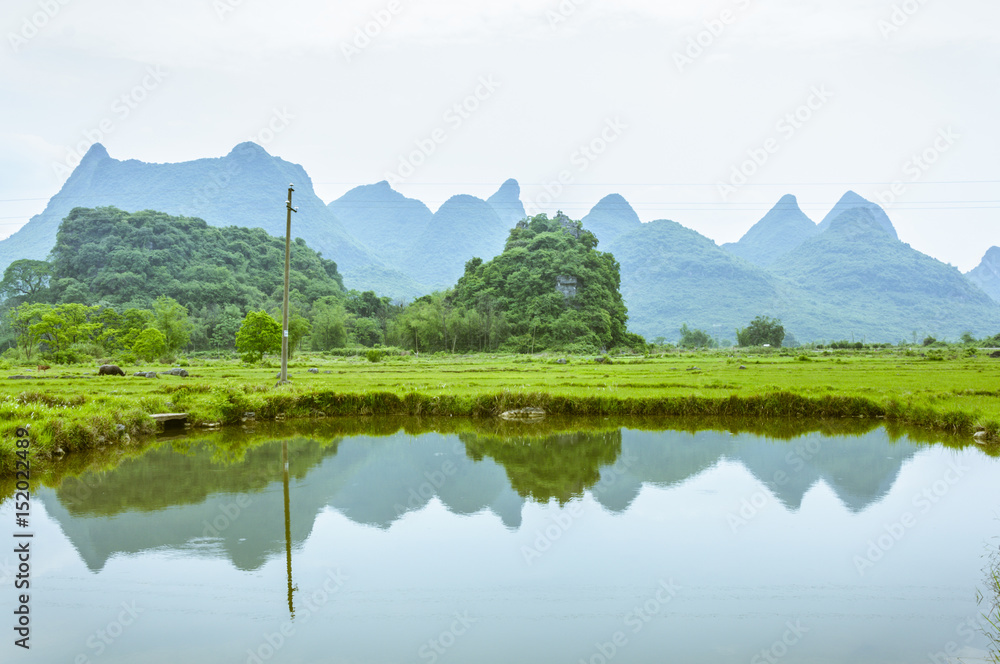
pixel 71 409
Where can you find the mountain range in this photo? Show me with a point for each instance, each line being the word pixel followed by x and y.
pixel 847 277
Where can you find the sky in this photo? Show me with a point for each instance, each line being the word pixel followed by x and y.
pixel 702 112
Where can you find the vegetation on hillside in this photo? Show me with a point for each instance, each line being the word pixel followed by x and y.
pixel 513 302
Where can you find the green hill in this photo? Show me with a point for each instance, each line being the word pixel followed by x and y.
pixel 866 283
pixel 672 275
pixel 550 288
pixel 852 201
pixel 463 228
pixel 382 219
pixel 611 217
pixel 111 256
pixel 781 230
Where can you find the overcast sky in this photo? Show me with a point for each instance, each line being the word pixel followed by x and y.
pixel 658 101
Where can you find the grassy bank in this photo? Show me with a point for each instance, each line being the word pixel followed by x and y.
pixel 76 410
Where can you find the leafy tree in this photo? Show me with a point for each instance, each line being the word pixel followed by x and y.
pixel 366 331
pixel 150 344
pixel 298 328
pixel 23 321
pixel 121 331
pixel 259 334
pixel 328 330
pixel 63 325
pixel 223 335
pixel 25 280
pixel 171 318
pixel 695 338
pixel 761 331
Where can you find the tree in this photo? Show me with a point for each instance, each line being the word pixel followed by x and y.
pixel 25 280
pixel 298 327
pixel 23 321
pixel 695 338
pixel 328 329
pixel 259 334
pixel 171 318
pixel 150 344
pixel 761 331
pixel 224 333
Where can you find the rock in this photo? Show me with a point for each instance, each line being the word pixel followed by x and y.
pixel 561 360
pixel 315 371
pixel 145 374
pixel 328 372
pixel 742 367
pixel 980 437
pixel 120 428
pixel 995 354
pixel 523 414
pixel 249 415
pixel 177 371
pixel 110 370
pixel 60 451
pixel 20 377
pixel 693 369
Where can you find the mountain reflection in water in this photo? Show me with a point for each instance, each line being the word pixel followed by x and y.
pixel 182 496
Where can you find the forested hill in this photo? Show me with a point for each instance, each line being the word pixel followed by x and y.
pixel 128 260
pixel 549 288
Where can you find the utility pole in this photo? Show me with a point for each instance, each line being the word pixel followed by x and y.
pixel 283 377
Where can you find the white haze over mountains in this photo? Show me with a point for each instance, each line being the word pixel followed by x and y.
pixel 657 101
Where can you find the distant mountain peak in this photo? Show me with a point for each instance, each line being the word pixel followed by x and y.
pixel 97 151
pixel 780 231
pixel 788 201
pixel 616 201
pixel 248 149
pixel 850 201
pixel 611 217
pixel 987 274
pixel 506 202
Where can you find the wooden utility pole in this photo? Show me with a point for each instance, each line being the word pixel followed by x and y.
pixel 283 377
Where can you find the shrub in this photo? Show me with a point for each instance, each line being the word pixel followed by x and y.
pixel 374 355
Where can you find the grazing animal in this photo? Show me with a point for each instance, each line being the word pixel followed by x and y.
pixel 110 370
pixel 43 367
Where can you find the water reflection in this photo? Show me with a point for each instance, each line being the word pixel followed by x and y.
pixel 517 544
pixel 183 496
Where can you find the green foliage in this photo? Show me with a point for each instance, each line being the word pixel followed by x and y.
pixel 328 329
pixel 695 338
pixel 171 319
pixel 150 344
pixel 25 280
pixel 513 301
pixel 259 334
pixel 110 255
pixel 374 355
pixel 761 331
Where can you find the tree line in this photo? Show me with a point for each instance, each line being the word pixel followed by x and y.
pixel 147 285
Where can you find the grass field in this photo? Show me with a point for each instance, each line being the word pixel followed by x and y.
pixel 72 409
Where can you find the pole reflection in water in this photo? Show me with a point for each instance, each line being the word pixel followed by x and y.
pixel 288 527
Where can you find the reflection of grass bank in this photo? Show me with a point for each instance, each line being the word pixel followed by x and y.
pixel 231 445
pixel 86 411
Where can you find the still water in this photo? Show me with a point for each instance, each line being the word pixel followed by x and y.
pixel 596 547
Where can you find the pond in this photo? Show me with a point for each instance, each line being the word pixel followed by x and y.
pixel 588 546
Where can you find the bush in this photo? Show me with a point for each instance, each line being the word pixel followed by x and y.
pixel 374 355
